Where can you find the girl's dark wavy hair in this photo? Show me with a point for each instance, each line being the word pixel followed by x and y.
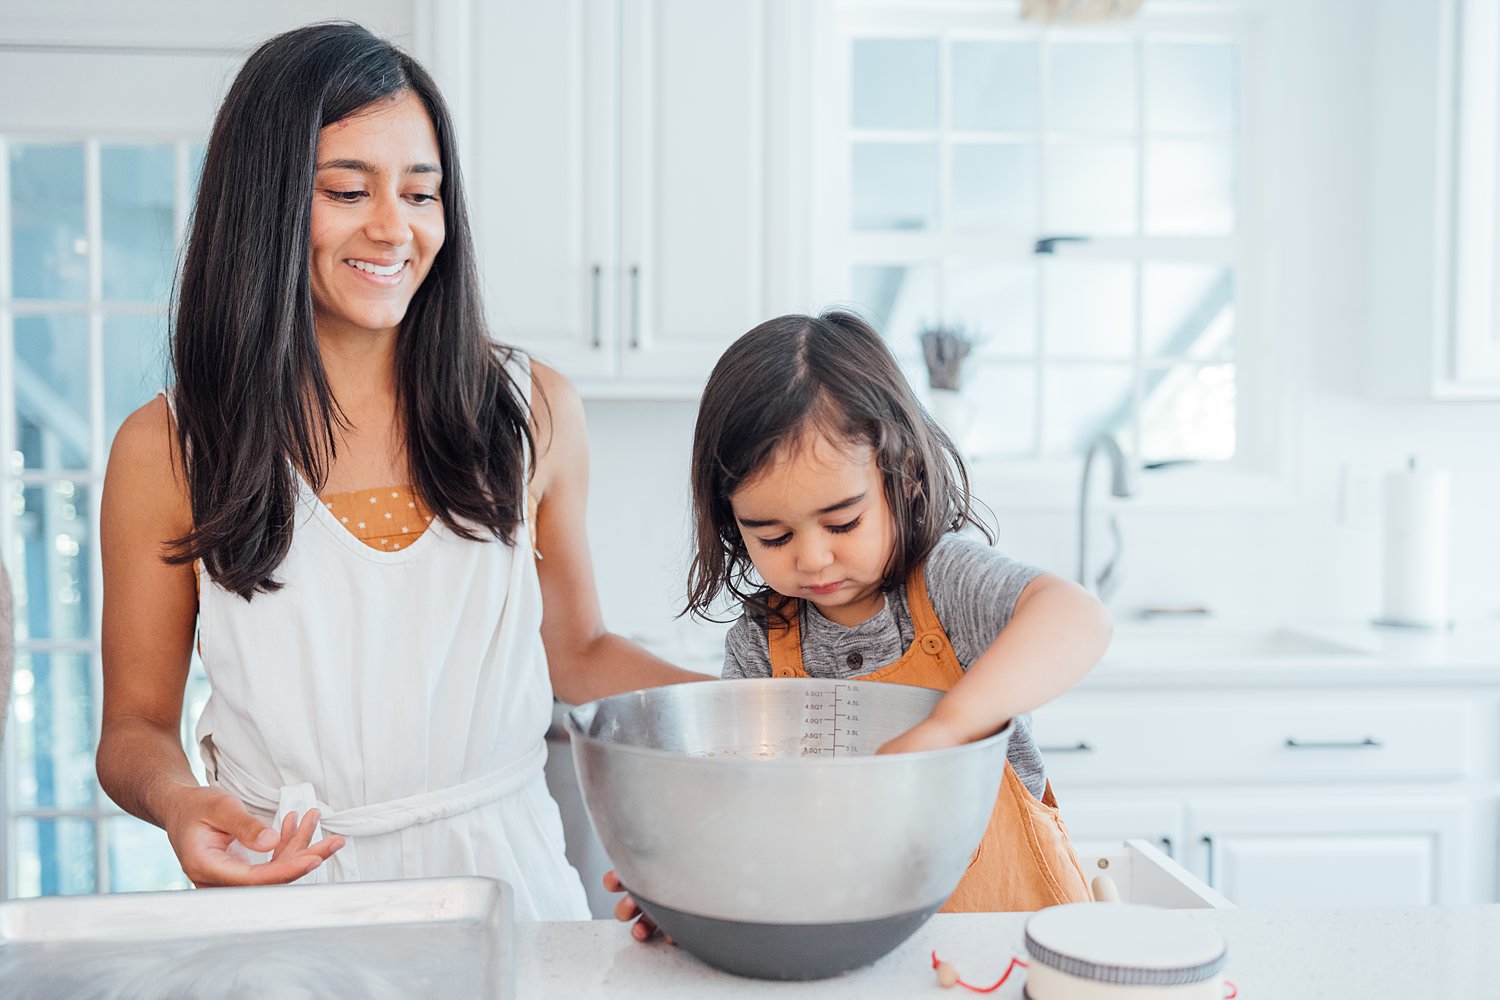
pixel 830 374
pixel 251 396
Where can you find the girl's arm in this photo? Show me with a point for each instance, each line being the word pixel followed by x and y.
pixel 585 660
pixel 1056 634
pixel 150 612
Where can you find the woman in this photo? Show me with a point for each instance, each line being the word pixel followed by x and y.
pixel 382 674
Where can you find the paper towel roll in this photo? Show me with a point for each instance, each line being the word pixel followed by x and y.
pixel 1417 546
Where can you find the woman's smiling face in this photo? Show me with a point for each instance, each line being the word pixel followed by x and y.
pixel 377 220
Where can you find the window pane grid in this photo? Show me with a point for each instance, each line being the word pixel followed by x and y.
pixel 7 466
pixel 40 307
pixel 945 145
pixel 60 833
pixel 79 814
pixel 1157 218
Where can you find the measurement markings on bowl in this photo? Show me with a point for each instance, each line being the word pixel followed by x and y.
pixel 830 722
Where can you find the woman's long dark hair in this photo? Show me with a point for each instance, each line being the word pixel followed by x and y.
pixel 252 398
pixel 831 374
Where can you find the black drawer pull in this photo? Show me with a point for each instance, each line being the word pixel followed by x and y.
pixel 595 340
pixel 1079 747
pixel 635 306
pixel 1369 742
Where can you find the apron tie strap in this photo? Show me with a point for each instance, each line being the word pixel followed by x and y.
pixel 376 818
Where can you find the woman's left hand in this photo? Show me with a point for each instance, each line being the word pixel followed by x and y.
pixel 628 909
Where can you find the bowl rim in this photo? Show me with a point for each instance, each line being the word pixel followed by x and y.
pixel 575 732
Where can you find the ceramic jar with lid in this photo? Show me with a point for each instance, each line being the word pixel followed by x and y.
pixel 1121 951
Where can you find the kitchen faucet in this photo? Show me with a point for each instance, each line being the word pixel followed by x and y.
pixel 1108 580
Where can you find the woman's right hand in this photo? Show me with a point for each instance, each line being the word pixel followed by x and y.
pixel 203 822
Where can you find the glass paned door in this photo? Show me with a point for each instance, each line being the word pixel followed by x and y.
pixel 48 233
pixel 87 254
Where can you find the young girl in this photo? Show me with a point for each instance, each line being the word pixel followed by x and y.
pixel 816 470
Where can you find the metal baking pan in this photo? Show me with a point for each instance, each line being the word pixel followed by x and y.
pixel 440 937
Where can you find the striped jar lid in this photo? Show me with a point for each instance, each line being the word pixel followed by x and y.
pixel 1122 944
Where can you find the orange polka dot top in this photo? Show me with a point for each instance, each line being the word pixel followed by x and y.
pixel 388 518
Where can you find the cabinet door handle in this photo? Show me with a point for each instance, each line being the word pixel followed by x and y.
pixel 594 308
pixel 1079 747
pixel 1048 244
pixel 635 306
pixel 1166 847
pixel 1208 870
pixel 1369 742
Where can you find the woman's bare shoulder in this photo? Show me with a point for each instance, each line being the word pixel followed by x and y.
pixel 553 396
pixel 556 408
pixel 557 424
pixel 145 468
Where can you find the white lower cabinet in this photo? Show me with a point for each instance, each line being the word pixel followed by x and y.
pixel 1096 820
pixel 1330 850
pixel 1286 797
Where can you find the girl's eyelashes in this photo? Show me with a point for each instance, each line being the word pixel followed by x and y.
pixel 837 529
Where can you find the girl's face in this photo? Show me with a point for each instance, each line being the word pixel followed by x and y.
pixel 377 223
pixel 817 526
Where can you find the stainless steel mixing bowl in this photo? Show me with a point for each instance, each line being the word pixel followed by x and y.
pixel 752 821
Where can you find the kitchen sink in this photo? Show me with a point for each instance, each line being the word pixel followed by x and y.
pixel 1180 644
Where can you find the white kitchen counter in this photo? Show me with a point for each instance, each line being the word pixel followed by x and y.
pixel 1232 652
pixel 1412 952
pixel 1216 652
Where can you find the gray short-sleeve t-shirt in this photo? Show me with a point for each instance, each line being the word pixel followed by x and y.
pixel 973 590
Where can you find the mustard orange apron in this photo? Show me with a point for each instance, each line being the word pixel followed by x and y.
pixel 1025 861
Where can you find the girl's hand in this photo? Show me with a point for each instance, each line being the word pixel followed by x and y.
pixel 204 822
pixel 627 910
pixel 931 733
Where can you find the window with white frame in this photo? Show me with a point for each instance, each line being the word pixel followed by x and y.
pixel 1069 195
pixel 89 230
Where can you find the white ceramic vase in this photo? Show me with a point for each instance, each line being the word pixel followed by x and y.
pixel 955 412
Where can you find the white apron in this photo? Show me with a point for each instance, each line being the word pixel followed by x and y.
pixel 403 693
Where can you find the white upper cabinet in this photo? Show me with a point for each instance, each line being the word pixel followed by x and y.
pixel 620 171
pixel 542 175
pixel 692 182
pixel 1434 211
pixel 1476 326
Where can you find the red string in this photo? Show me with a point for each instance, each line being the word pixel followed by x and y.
pixel 1015 963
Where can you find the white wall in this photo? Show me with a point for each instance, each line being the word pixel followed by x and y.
pixel 638 510
pixel 1314 554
